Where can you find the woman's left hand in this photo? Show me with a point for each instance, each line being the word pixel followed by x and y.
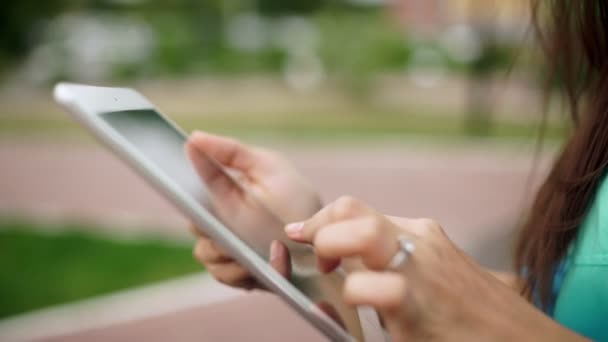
pixel 438 293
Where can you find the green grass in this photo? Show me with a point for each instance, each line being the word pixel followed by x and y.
pixel 327 127
pixel 62 264
pixel 367 125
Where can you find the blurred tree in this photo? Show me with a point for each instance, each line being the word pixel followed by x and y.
pixel 379 47
pixel 494 56
pixel 21 24
pixel 272 7
pixel 481 99
pixel 188 32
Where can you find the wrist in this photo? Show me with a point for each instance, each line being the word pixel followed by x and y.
pixel 521 321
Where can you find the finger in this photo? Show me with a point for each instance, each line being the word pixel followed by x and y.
pixel 230 273
pixel 343 208
pixel 280 259
pixel 206 251
pixel 213 175
pixel 226 151
pixel 373 238
pixel 385 291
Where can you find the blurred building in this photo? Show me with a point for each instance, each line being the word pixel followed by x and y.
pixel 429 16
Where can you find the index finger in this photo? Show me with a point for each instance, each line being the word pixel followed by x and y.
pixel 343 208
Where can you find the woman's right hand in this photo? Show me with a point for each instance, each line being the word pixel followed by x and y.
pixel 271 178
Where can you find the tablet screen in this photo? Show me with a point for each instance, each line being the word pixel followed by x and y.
pixel 163 145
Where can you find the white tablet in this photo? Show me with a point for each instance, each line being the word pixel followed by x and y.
pixel 129 125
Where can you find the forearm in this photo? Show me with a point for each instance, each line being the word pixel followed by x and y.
pixel 531 325
pixel 521 320
pixel 507 316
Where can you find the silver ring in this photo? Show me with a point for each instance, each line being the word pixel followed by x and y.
pixel 406 248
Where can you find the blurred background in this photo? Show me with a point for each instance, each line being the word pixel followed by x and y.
pixel 422 108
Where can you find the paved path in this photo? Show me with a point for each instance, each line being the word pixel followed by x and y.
pixel 255 317
pixel 126 306
pixel 477 191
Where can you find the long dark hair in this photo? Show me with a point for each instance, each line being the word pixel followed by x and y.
pixel 574 38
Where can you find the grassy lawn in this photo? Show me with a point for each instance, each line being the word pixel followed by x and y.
pixel 42 267
pixel 317 126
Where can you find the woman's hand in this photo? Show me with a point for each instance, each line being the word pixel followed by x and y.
pixel 437 294
pixel 269 177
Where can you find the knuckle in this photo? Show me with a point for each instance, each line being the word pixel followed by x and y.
pixel 345 206
pixel 431 225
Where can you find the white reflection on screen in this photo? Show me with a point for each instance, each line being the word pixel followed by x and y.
pixel 162 144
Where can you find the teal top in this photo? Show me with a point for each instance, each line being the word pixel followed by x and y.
pixel 582 298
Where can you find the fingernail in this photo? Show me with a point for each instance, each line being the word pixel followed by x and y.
pixel 294 230
pixel 275 250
